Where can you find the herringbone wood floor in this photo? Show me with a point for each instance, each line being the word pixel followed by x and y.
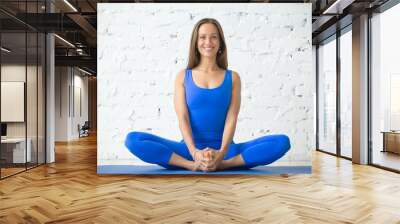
pixel 70 191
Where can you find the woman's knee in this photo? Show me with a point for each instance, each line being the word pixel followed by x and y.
pixel 134 142
pixel 284 142
pixel 132 138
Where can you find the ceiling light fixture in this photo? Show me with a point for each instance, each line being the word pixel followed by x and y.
pixel 86 72
pixel 70 5
pixel 79 51
pixel 338 6
pixel 5 50
pixel 64 40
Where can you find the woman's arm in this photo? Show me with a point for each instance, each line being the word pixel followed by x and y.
pixel 233 112
pixel 182 112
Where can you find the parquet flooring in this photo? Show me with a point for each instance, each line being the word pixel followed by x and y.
pixel 70 191
pixel 10 171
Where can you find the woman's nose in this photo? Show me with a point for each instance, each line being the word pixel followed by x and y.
pixel 208 40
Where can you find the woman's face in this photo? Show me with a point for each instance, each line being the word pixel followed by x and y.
pixel 208 40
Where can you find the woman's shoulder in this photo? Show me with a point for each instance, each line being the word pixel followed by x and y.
pixel 235 76
pixel 182 72
pixel 180 77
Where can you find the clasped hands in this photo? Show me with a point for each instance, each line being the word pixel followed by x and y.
pixel 208 159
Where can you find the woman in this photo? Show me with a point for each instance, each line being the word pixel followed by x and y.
pixel 207 102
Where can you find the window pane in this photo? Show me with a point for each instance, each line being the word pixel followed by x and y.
pixel 346 93
pixel 31 101
pixel 14 152
pixel 386 89
pixel 327 96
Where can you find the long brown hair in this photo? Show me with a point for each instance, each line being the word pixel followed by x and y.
pixel 194 54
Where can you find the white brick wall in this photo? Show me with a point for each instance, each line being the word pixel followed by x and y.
pixel 141 47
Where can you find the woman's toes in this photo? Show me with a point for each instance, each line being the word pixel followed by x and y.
pixel 196 165
pixel 208 155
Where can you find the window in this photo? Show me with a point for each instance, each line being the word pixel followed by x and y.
pixel 327 96
pixel 22 76
pixel 346 93
pixel 385 89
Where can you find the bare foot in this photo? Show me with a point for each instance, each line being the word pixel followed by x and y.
pixel 196 165
pixel 205 160
pixel 209 155
pixel 236 161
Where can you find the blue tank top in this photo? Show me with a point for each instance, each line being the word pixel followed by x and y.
pixel 208 108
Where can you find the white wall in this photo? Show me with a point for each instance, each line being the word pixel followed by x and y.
pixel 269 45
pixel 61 103
pixel 80 84
pixel 67 81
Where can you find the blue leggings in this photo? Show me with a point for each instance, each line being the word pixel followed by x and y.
pixel 156 150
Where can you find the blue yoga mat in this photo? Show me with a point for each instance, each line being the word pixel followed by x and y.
pixel 154 169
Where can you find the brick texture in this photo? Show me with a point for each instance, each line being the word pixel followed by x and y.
pixel 143 46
